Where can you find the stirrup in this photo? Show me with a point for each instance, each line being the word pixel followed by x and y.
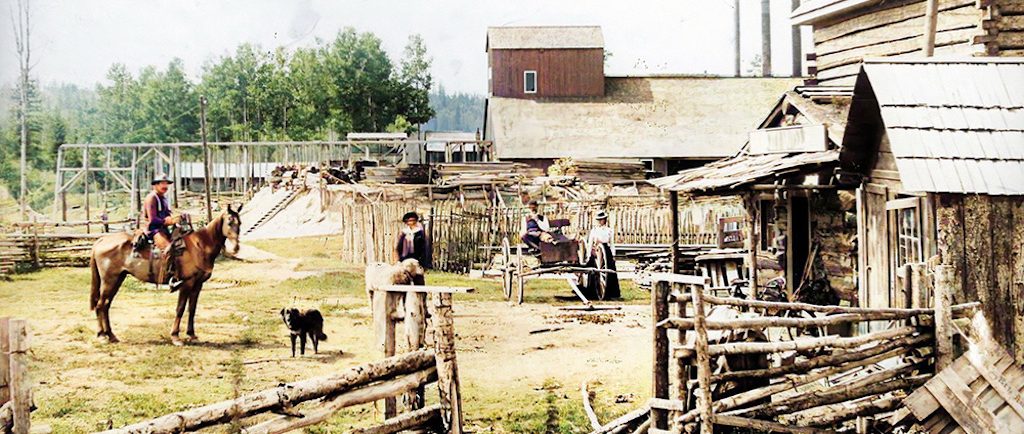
pixel 174 283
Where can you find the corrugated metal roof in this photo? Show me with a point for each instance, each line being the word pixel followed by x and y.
pixel 544 37
pixel 954 125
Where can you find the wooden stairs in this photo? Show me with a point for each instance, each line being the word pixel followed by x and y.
pixel 273 211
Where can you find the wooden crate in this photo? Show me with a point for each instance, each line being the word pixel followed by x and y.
pixel 979 393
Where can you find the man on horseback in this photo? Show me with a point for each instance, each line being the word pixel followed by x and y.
pixel 159 222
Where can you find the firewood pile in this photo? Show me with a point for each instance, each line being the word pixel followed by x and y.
pixel 598 170
pixel 483 173
pixel 780 366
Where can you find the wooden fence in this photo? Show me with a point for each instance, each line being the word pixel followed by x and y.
pixel 466 233
pixel 308 402
pixel 712 368
pixel 15 386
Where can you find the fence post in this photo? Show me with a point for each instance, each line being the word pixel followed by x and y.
pixel 659 382
pixel 447 369
pixel 943 317
pixel 682 365
pixel 5 361
pixel 415 327
pixel 707 422
pixel 21 389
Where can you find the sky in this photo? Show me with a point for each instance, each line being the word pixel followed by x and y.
pixel 76 41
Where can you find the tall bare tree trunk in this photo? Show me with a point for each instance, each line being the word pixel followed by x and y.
pixel 21 42
pixel 766 38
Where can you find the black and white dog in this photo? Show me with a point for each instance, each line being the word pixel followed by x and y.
pixel 304 322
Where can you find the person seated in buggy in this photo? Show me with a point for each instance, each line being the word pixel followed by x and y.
pixel 535 227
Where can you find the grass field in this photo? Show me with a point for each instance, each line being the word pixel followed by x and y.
pixel 513 381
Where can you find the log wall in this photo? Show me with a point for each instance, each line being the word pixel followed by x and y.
pixel 982 239
pixel 893 28
pixel 1006 27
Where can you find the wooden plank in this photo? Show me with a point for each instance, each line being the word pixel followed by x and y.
pixel 954 396
pixel 703 361
pixel 885 49
pixel 5 362
pixel 659 370
pixel 1010 40
pixel 763 425
pixel 998 383
pixel 963 17
pixel 428 289
pixel 21 385
pixel 879 17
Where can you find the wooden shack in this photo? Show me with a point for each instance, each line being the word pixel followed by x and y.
pixel 941 145
pixel 847 31
pixel 799 205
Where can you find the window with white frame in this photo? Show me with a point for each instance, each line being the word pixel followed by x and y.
pixel 530 81
pixel 908 242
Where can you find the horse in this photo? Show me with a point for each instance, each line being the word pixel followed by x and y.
pixel 113 260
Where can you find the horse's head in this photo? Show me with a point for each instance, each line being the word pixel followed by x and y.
pixel 230 227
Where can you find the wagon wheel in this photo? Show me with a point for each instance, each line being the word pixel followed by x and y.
pixel 506 272
pixel 519 273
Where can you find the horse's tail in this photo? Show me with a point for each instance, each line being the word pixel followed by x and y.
pixel 321 335
pixel 94 297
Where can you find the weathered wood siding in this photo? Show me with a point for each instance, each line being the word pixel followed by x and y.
pixel 892 28
pixel 560 72
pixel 1007 27
pixel 982 238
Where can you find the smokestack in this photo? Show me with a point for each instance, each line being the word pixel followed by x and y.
pixel 797 70
pixel 736 36
pixel 766 38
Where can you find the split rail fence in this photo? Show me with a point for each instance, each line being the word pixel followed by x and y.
pixel 718 360
pixel 398 377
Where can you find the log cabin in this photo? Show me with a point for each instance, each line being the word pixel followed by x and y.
pixel 847 31
pixel 550 98
pixel 940 143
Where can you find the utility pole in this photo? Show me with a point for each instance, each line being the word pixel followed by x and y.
pixel 21 42
pixel 766 38
pixel 206 157
pixel 736 36
pixel 797 45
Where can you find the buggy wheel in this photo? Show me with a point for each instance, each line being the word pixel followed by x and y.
pixel 506 273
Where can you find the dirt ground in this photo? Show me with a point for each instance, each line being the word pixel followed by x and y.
pixel 513 381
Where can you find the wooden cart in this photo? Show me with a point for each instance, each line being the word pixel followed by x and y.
pixel 565 256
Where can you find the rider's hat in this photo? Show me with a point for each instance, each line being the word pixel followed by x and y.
pixel 161 178
pixel 601 215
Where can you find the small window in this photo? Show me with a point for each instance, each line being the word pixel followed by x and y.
pixel 530 81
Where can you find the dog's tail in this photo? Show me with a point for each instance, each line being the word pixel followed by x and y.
pixel 321 335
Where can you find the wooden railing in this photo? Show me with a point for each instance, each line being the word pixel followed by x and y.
pixel 399 376
pixel 688 337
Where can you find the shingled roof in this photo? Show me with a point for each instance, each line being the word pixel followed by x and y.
pixel 638 117
pixel 954 125
pixel 544 37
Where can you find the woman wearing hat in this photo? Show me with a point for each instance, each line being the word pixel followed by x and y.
pixel 601 254
pixel 412 241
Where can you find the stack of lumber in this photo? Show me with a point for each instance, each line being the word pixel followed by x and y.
pixel 380 174
pixel 482 173
pixel 599 170
pixel 413 174
pixel 44 250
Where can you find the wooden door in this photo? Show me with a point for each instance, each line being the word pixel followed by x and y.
pixel 875 247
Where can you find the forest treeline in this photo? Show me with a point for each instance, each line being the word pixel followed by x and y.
pixel 348 83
